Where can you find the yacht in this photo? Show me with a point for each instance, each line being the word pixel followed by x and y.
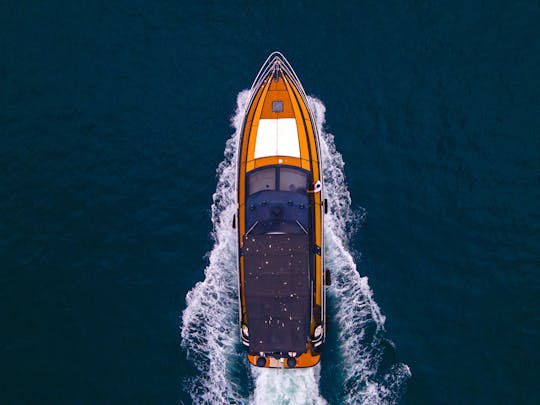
pixel 279 223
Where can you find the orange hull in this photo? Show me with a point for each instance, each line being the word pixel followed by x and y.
pixel 280 204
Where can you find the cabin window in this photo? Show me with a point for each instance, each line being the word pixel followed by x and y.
pixel 262 180
pixel 292 180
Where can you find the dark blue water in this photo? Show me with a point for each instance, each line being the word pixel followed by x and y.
pixel 114 117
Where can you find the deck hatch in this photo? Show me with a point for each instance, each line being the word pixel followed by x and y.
pixel 277 137
pixel 277 106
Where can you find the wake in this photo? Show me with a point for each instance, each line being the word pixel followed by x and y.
pixel 371 375
pixel 210 321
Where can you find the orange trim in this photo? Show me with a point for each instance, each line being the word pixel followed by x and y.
pixel 276 160
pixel 252 134
pixel 302 136
pixel 308 359
pixel 311 134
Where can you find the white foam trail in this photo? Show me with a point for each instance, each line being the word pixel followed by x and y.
pixel 359 319
pixel 281 386
pixel 210 320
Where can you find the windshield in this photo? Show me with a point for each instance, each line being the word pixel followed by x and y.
pixel 277 201
pixel 271 178
pixel 292 180
pixel 262 180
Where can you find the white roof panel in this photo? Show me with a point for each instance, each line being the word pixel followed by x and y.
pixel 287 141
pixel 277 137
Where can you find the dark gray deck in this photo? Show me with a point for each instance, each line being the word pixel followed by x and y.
pixel 277 291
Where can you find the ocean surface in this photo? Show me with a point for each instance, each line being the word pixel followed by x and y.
pixel 118 126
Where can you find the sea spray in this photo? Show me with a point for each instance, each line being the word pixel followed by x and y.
pixel 283 386
pixel 366 377
pixel 210 320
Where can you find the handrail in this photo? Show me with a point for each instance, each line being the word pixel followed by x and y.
pixel 276 61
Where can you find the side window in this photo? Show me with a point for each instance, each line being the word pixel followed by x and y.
pixel 261 180
pixel 292 180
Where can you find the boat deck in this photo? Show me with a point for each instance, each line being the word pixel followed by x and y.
pixel 278 290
